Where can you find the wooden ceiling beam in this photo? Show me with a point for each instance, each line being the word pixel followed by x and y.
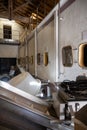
pixel 5 16
pixel 3 6
pixel 23 5
pixel 46 6
pixel 19 7
pixel 22 10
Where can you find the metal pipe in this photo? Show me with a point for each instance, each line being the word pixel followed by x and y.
pixel 36 44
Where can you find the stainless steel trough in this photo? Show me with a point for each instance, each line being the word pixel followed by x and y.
pixel 22 111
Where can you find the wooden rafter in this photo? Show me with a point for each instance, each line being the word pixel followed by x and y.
pixel 19 7
pixel 4 7
pixel 21 10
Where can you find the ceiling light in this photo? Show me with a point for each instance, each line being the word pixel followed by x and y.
pixel 33 16
pixel 61 18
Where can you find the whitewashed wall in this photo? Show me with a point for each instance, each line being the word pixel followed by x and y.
pixel 22 51
pixel 8 51
pixel 31 53
pixel 73 24
pixel 17 30
pixel 71 27
pixel 46 44
pixel 45 40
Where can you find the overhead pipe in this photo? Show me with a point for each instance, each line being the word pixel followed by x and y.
pixel 58 40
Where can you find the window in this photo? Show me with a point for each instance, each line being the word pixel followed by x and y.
pixel 7 32
pixel 67 57
pixel 83 55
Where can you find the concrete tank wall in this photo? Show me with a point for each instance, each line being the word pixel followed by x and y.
pixel 72 26
pixel 47 38
pixel 31 55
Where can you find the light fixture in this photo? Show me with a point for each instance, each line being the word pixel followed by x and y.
pixel 33 16
pixel 61 18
